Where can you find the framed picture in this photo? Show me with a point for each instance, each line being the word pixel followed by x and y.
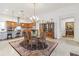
pixel 69 25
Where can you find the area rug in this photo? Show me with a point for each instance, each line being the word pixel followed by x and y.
pixel 24 52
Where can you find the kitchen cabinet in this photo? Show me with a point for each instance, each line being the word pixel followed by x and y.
pixel 11 24
pixel 26 25
pixel 3 35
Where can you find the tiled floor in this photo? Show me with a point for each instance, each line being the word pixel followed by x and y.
pixel 6 49
pixel 65 46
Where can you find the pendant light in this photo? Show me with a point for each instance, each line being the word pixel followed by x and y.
pixel 18 21
pixel 18 24
pixel 33 17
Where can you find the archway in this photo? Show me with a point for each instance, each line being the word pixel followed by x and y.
pixel 67 27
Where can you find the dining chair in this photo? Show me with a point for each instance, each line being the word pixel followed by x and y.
pixel 26 39
pixel 43 38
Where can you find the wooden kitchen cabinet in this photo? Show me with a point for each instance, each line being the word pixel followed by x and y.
pixel 26 25
pixel 14 24
pixel 11 24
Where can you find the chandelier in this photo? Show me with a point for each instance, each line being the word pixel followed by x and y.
pixel 34 18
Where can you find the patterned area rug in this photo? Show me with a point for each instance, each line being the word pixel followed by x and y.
pixel 24 52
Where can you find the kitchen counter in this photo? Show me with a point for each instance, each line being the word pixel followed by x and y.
pixel 3 35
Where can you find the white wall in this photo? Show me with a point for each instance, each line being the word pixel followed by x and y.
pixel 7 18
pixel 76 28
pixel 70 11
pixel 63 21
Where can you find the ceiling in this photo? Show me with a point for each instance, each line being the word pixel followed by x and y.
pixel 28 8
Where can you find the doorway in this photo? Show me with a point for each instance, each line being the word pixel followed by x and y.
pixel 67 27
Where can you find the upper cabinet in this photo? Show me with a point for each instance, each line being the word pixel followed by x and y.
pixel 26 25
pixel 11 24
pixel 14 24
